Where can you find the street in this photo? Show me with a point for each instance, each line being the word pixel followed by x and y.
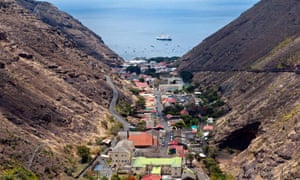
pixel 113 103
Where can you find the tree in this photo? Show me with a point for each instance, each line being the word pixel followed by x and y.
pixel 142 80
pixel 141 126
pixel 180 124
pixel 189 158
pixel 140 103
pixel 150 72
pixel 186 76
pixel 135 91
pixel 104 178
pixel 189 88
pixel 124 108
pixel 84 153
pixel 133 69
pixel 115 177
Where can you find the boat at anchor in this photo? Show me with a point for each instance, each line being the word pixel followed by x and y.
pixel 164 37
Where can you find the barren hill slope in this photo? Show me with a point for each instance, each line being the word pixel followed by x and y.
pixel 53 96
pixel 252 41
pixel 82 37
pixel 254 62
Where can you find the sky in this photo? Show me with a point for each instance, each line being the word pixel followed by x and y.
pixel 129 27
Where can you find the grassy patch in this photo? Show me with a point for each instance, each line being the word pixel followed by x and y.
pixel 262 62
pixel 18 173
pixel 292 113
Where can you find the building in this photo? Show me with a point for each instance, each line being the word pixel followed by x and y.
pixel 163 88
pixel 151 177
pixel 158 166
pixel 141 85
pixel 171 84
pixel 121 154
pixel 177 149
pixel 149 120
pixel 143 139
pixel 103 169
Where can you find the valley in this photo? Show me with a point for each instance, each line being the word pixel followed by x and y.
pixel 70 107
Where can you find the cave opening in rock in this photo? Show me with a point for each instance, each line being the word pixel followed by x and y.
pixel 241 138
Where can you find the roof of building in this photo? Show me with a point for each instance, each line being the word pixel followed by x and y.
pixel 124 146
pixel 143 161
pixel 173 142
pixel 142 139
pixel 159 126
pixel 169 100
pixel 151 177
pixel 140 84
pixel 156 170
pixel 177 147
pixel 208 128
pixel 184 112
pixel 179 150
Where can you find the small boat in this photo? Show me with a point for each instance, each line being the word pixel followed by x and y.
pixel 164 37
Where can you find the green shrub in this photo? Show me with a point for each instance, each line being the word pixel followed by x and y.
pixel 84 153
pixel 116 128
pixel 140 103
pixel 18 173
pixel 186 76
pixel 134 91
pixel 124 108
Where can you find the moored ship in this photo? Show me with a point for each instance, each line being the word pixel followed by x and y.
pixel 164 37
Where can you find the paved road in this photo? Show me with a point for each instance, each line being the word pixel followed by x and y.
pixel 166 140
pixel 117 117
pixel 113 103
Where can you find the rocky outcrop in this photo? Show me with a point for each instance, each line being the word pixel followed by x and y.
pixel 254 63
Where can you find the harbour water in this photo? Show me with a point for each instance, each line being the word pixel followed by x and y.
pixel 130 27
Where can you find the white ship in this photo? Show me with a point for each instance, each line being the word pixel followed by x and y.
pixel 164 37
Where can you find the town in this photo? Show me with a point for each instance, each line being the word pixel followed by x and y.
pixel 165 133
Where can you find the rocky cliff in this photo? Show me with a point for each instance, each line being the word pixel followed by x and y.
pixel 53 92
pixel 80 35
pixel 254 62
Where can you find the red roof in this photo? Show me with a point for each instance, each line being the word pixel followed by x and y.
pixel 159 127
pixel 140 84
pixel 184 112
pixel 179 150
pixel 177 147
pixel 162 63
pixel 142 139
pixel 169 116
pixel 208 128
pixel 151 177
pixel 169 100
pixel 173 142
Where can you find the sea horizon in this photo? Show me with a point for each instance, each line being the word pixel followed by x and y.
pixel 130 27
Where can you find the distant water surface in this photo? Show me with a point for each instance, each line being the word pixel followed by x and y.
pixel 130 27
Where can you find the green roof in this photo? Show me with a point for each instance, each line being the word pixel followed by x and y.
pixel 156 170
pixel 143 161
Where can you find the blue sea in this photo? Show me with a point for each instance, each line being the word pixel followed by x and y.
pixel 130 27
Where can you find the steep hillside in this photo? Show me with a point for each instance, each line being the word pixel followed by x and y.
pixel 266 37
pixel 53 96
pixel 82 37
pixel 254 62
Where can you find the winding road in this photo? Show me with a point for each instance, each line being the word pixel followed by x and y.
pixel 113 103
pixel 117 117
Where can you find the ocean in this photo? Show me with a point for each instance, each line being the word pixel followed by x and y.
pixel 130 27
